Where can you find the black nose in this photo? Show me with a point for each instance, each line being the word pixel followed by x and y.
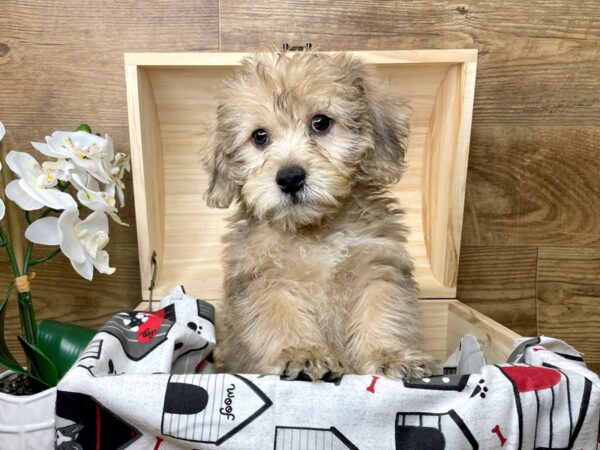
pixel 290 179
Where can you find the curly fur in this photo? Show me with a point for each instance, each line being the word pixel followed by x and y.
pixel 320 282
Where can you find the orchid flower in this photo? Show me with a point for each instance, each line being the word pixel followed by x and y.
pixel 35 187
pixel 87 151
pixel 120 164
pixel 82 241
pixel 2 207
pixel 90 195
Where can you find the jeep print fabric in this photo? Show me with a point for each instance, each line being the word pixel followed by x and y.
pixel 145 382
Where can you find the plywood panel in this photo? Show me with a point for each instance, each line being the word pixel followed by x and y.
pixel 500 282
pixel 569 297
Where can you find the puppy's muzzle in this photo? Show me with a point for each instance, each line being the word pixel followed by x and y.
pixel 290 179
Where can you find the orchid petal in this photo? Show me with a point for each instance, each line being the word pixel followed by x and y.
pixel 70 244
pixel 52 198
pixel 24 165
pixel 85 269
pixel 45 149
pixel 2 131
pixel 94 223
pixel 101 263
pixel 44 231
pixel 2 209
pixel 20 197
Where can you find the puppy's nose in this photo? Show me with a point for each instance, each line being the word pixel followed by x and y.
pixel 290 179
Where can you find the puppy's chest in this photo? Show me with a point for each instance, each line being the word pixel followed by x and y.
pixel 316 265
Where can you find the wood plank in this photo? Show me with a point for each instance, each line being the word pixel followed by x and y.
pixel 58 292
pixel 529 186
pixel 539 60
pixel 500 283
pixel 569 297
pixel 61 62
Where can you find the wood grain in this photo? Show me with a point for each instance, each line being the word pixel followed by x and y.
pixel 539 60
pixel 569 297
pixel 500 282
pixel 61 62
pixel 533 186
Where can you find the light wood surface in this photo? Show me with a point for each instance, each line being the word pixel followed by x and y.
pixel 178 93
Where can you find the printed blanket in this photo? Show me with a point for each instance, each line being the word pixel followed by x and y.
pixel 145 382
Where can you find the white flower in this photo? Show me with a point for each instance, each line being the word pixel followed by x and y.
pixel 90 195
pixel 2 208
pixel 35 187
pixel 90 152
pixel 82 241
pixel 117 171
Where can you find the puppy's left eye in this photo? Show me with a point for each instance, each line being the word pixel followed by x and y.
pixel 320 123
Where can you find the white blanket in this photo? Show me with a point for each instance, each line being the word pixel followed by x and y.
pixel 145 382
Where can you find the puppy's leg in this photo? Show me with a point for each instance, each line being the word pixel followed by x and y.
pixel 384 331
pixel 281 334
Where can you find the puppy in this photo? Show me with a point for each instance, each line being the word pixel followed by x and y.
pixel 317 280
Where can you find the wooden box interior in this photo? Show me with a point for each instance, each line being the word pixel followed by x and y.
pixel 172 102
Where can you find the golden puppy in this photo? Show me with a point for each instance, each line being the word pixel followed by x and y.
pixel 317 280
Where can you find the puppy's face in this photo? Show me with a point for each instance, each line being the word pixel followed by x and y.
pixel 296 131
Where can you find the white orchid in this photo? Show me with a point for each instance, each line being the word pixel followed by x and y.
pixel 87 151
pixel 2 208
pixel 82 241
pixel 35 187
pixel 90 195
pixel 83 161
pixel 120 164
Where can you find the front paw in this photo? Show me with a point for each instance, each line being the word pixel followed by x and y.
pixel 312 363
pixel 403 365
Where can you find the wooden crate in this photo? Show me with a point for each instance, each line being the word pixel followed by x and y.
pixel 171 100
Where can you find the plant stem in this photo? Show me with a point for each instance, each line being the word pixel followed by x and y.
pixel 27 313
pixel 52 254
pixel 11 256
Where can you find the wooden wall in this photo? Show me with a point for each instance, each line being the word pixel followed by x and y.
pixel 531 241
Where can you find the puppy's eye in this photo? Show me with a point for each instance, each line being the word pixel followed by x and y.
pixel 260 138
pixel 320 123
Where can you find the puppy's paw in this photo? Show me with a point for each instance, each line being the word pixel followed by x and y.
pixel 403 365
pixel 312 363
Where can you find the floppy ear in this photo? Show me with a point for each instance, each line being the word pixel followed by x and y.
pixel 222 188
pixel 388 120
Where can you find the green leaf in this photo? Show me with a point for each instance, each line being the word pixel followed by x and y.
pixel 6 358
pixel 43 369
pixel 84 127
pixel 62 343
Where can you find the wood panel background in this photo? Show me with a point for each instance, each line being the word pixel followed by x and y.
pixel 531 240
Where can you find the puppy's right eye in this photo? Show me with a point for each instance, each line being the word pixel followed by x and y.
pixel 260 138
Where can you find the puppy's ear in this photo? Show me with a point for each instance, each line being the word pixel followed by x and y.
pixel 389 122
pixel 217 157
